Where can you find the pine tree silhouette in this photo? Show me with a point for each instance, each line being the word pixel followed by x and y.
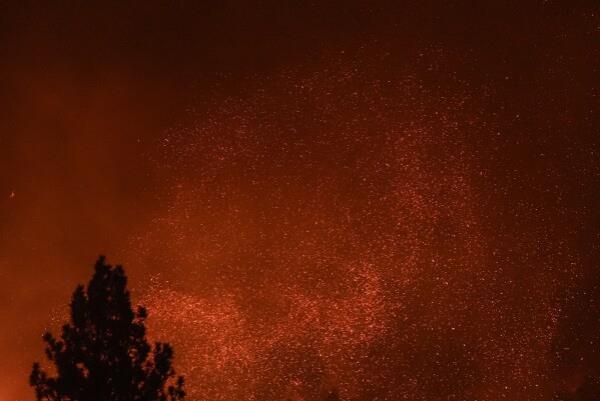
pixel 103 354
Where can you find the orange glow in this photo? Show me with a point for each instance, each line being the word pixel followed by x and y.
pixel 398 202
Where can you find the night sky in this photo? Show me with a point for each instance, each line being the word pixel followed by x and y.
pixel 397 200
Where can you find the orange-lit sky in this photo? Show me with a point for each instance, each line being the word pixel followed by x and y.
pixel 399 201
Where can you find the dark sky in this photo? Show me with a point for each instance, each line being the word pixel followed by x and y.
pixel 395 199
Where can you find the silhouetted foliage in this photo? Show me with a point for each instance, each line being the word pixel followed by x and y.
pixel 103 354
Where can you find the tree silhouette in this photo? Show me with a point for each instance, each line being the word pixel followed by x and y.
pixel 103 353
